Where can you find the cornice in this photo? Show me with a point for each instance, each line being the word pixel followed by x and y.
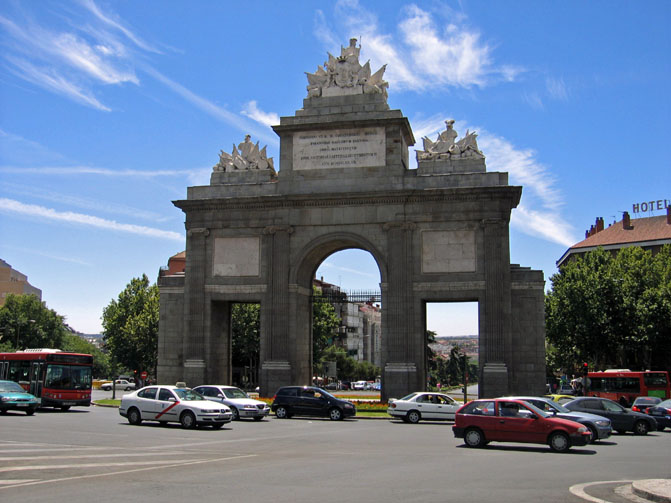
pixel 298 201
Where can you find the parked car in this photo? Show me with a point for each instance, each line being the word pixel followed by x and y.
pixel 14 397
pixel 599 426
pixel 118 384
pixel 173 404
pixel 562 399
pixel 565 389
pixel 359 385
pixel 237 400
pixel 309 401
pixel 662 414
pixel 642 403
pixel 622 420
pixel 503 420
pixel 423 405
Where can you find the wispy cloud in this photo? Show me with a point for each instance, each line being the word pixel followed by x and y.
pixel 556 88
pixel 328 265
pixel 89 170
pixel 59 258
pixel 421 52
pixel 252 111
pixel 13 206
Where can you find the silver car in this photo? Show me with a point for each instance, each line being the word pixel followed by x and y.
pixel 241 405
pixel 599 426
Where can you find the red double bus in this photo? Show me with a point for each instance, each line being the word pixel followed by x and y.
pixel 60 379
pixel 624 386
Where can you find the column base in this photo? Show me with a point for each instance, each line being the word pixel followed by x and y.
pixel 494 380
pixel 194 372
pixel 274 374
pixel 399 380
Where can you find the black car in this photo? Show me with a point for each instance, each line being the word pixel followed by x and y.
pixel 622 420
pixel 662 414
pixel 309 401
pixel 642 403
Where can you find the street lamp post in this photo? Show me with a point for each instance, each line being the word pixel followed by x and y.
pixel 18 330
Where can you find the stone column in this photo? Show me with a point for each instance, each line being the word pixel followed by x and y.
pixel 276 354
pixel 495 342
pixel 195 308
pixel 402 357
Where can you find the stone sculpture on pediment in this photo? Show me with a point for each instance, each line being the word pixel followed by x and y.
pixel 445 146
pixel 344 75
pixel 245 156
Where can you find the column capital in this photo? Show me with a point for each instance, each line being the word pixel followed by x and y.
pixel 274 229
pixel 196 231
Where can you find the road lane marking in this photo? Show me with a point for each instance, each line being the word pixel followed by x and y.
pixel 79 456
pixel 579 489
pixel 108 474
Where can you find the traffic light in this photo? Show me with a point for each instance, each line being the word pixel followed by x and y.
pixel 585 369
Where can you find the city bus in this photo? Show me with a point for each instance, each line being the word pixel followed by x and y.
pixel 59 379
pixel 624 386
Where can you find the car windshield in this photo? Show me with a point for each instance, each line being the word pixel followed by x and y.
pixel 67 377
pixel 324 393
pixel 188 394
pixel 11 387
pixel 234 393
pixel 646 401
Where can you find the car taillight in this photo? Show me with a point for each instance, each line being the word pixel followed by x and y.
pixel 635 409
pixel 392 405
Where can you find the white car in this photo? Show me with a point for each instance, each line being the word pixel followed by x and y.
pixel 423 405
pixel 239 402
pixel 120 384
pixel 173 404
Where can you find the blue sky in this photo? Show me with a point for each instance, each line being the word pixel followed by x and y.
pixel 109 110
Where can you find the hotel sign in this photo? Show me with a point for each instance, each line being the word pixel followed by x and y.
pixel 644 207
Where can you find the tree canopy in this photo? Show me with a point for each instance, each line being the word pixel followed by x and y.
pixel 26 322
pixel 611 311
pixel 130 326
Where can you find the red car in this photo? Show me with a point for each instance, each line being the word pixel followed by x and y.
pixel 505 420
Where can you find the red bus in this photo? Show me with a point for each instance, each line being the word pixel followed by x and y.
pixel 60 379
pixel 624 386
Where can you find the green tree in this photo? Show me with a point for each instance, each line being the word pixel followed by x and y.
pixel 325 325
pixel 246 328
pixel 130 326
pixel 26 322
pixel 611 311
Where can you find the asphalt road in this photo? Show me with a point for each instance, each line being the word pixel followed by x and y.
pixel 93 454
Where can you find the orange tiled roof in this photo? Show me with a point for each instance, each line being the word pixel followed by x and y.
pixel 640 231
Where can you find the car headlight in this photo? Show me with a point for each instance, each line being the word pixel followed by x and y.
pixel 349 406
pixel 582 429
pixel 5 398
pixel 602 423
pixel 249 407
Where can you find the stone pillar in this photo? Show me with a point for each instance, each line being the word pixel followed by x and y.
pixel 495 342
pixel 276 355
pixel 194 294
pixel 402 354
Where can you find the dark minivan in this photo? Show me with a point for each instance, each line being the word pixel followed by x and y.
pixel 310 401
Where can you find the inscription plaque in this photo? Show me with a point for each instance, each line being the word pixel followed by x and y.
pixel 339 148
pixel 236 256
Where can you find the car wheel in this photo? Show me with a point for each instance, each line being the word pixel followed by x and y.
pixel 335 414
pixel 474 437
pixel 127 388
pixel 134 416
pixel 281 413
pixel 187 420
pixel 30 412
pixel 641 428
pixel 413 416
pixel 559 442
pixel 105 388
pixel 235 413
pixel 595 434
pixel 65 408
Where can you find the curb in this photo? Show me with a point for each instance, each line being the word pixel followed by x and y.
pixel 658 490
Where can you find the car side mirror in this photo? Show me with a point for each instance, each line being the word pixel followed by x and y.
pixel 172 399
pixel 220 395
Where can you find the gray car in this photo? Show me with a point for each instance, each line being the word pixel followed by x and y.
pixel 239 402
pixel 599 426
pixel 622 419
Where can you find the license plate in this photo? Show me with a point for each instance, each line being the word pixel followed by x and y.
pixel 656 413
pixel 22 405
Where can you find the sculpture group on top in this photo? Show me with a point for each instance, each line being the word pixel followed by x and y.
pixel 345 75
pixel 245 156
pixel 445 146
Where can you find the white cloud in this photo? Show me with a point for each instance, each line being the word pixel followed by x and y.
pixel 252 111
pixel 556 89
pixel 426 54
pixel 12 206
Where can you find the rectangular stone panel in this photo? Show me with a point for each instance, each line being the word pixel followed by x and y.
pixel 237 256
pixel 448 251
pixel 339 148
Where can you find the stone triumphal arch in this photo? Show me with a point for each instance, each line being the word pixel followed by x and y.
pixel 438 233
